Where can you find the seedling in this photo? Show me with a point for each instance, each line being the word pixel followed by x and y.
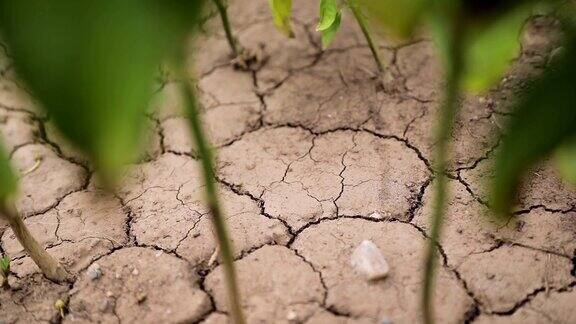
pixel 477 41
pixel 5 265
pixel 329 24
pixel 4 271
pixel 8 212
pixel 281 12
pixel 330 16
pixel 243 58
pixel 49 266
pixel 232 41
pixel 225 246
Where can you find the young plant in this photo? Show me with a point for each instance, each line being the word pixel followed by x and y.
pixel 232 41
pixel 329 24
pixel 329 21
pixel 101 107
pixel 4 270
pixel 218 221
pixel 281 13
pixel 8 183
pixel 242 58
pixel 330 16
pixel 477 42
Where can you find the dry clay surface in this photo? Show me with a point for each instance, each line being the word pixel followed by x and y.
pixel 313 158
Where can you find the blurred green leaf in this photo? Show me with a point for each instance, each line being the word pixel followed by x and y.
pixel 490 48
pixel 5 265
pixel 401 17
pixel 566 159
pixel 328 14
pixel 91 65
pixel 329 34
pixel 8 180
pixel 545 117
pixel 281 11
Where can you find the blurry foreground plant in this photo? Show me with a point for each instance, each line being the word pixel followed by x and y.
pixel 91 66
pixel 477 41
pixel 543 121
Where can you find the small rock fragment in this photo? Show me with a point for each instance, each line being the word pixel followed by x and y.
pixel 94 271
pixel 141 297
pixel 107 305
pixel 250 166
pixel 376 215
pixel 368 260
pixel 386 320
pixel 135 272
pixel 292 316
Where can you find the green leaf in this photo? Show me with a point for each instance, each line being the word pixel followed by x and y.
pixel 401 17
pixel 491 47
pixel 328 14
pixel 91 65
pixel 8 181
pixel 329 34
pixel 5 265
pixel 566 159
pixel 544 118
pixel 281 11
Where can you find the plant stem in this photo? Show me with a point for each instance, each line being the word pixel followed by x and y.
pixel 213 204
pixel 222 10
pixel 443 130
pixel 364 26
pixel 49 266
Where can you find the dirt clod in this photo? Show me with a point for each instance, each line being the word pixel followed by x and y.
pixel 171 292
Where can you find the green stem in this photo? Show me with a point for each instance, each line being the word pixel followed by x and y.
pixel 218 220
pixel 443 129
pixel 227 28
pixel 365 30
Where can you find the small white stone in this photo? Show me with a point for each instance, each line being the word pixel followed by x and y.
pixel 94 271
pixel 158 253
pixel 250 166
pixel 376 215
pixel 292 316
pixel 135 272
pixel 386 320
pixel 368 260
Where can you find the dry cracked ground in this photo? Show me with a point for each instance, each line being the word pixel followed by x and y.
pixel 313 158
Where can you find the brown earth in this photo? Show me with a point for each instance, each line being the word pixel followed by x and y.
pixel 313 158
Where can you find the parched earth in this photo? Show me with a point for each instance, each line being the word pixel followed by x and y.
pixel 313 158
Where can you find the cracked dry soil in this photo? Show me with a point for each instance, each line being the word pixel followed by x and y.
pixel 313 158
